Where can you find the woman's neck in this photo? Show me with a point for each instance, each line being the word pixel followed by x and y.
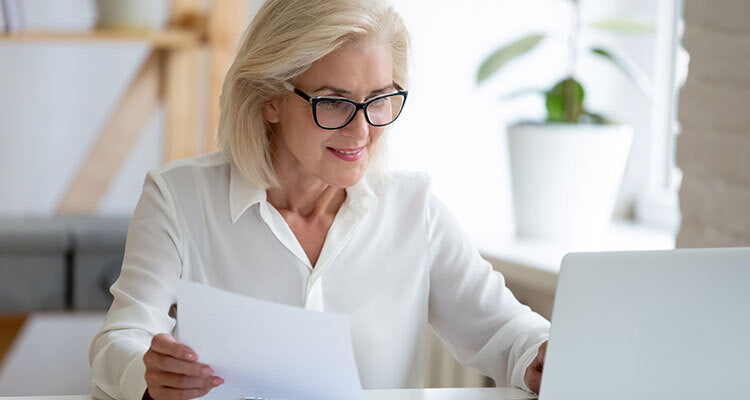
pixel 304 195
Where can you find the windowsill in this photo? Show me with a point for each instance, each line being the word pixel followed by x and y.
pixel 531 267
pixel 544 257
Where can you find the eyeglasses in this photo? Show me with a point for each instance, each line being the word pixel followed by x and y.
pixel 337 112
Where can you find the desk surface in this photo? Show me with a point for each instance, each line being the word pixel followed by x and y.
pixel 35 345
pixel 398 394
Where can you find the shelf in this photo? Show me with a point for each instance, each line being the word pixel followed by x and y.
pixel 171 38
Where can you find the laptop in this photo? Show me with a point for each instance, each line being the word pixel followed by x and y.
pixel 661 325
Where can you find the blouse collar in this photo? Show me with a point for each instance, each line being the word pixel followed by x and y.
pixel 243 194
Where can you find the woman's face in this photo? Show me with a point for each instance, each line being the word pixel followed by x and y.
pixel 334 157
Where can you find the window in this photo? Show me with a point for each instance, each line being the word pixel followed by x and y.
pixel 454 130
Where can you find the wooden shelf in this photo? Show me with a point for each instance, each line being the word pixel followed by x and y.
pixel 170 38
pixel 171 74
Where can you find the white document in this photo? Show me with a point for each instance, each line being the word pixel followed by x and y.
pixel 266 350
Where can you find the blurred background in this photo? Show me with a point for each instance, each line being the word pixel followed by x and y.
pixel 548 126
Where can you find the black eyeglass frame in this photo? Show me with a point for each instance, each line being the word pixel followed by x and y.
pixel 358 106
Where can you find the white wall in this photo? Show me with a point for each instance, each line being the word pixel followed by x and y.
pixel 55 99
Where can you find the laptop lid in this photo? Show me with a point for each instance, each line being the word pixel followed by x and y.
pixel 661 325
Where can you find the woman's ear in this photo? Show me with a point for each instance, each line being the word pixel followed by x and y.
pixel 271 111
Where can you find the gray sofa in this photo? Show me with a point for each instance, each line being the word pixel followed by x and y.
pixel 59 263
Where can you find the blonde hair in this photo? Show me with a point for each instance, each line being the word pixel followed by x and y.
pixel 281 42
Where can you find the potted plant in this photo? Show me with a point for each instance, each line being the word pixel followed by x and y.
pixel 566 170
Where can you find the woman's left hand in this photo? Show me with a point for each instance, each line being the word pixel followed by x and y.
pixel 533 377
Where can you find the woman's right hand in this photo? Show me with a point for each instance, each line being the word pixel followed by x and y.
pixel 174 373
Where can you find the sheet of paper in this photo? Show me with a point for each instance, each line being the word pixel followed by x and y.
pixel 267 350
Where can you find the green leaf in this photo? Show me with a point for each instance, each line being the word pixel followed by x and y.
pixel 623 25
pixel 504 54
pixel 565 101
pixel 629 68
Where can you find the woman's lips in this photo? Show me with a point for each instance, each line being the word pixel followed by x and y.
pixel 348 154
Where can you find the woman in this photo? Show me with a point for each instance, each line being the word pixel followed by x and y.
pixel 296 209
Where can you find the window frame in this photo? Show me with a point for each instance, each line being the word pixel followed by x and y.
pixel 658 205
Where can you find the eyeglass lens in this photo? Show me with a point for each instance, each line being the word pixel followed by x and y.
pixel 333 113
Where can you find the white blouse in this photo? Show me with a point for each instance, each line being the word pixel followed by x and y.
pixel 394 260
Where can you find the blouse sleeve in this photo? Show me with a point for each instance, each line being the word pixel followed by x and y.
pixel 143 296
pixel 475 315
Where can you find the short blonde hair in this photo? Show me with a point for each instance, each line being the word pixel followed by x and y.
pixel 283 40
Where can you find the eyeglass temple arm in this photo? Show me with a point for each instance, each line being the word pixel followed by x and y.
pixel 297 91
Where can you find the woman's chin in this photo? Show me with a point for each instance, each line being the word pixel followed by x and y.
pixel 344 179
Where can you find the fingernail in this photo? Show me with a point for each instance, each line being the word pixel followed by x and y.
pixel 217 381
pixel 192 356
pixel 207 371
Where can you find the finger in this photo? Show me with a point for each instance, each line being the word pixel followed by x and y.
pixel 533 379
pixel 166 344
pixel 542 353
pixel 164 393
pixel 178 381
pixel 161 362
pixel 535 364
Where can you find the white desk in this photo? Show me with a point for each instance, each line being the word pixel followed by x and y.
pixel 399 394
pixel 32 352
pixel 450 394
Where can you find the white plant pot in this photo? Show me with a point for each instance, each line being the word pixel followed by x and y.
pixel 565 179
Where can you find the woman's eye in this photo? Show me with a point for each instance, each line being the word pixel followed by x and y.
pixel 379 103
pixel 331 104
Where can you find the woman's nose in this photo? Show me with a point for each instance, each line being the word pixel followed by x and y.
pixel 359 127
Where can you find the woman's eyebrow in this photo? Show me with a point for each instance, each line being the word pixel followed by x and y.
pixel 348 93
pixel 383 89
pixel 332 89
